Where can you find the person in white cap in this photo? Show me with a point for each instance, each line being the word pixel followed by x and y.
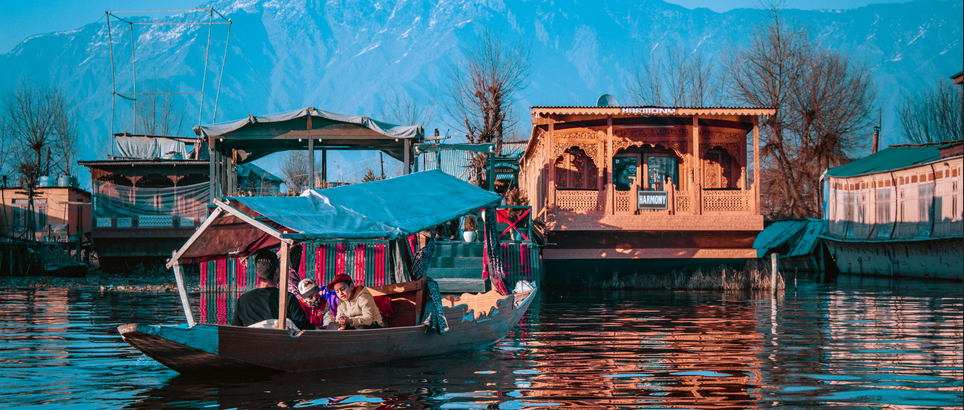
pixel 315 308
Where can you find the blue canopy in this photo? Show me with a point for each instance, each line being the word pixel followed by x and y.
pixel 380 209
pixel 385 209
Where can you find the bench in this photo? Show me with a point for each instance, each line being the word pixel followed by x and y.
pixel 408 301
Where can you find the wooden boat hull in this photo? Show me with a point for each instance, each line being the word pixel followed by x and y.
pixel 223 349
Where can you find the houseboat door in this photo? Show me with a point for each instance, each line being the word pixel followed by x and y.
pixel 626 171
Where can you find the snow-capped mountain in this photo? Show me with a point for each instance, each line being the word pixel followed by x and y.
pixel 346 56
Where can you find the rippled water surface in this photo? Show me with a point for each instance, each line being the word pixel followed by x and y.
pixel 854 343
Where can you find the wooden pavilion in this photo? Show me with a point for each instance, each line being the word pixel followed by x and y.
pixel 255 137
pixel 630 183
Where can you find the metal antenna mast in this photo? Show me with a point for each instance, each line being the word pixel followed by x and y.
pixel 133 95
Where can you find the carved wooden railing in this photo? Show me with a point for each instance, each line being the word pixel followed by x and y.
pixel 578 200
pixel 624 202
pixel 727 201
pixel 683 203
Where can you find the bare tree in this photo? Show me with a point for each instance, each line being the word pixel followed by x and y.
pixel 40 130
pixel 403 108
pixel 825 106
pixel 673 77
pixel 931 115
pixel 295 171
pixel 482 90
pixel 159 112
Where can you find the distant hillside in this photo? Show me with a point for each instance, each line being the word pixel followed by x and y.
pixel 343 57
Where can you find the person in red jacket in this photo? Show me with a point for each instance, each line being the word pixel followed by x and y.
pixel 315 308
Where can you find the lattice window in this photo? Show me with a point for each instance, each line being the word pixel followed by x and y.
pixel 575 170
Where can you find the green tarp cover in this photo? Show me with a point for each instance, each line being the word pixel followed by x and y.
pixel 890 159
pixel 381 209
pixel 802 235
pixel 390 130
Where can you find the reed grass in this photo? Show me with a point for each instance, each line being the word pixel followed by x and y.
pixel 722 278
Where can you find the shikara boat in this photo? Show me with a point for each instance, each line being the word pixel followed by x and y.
pixel 389 210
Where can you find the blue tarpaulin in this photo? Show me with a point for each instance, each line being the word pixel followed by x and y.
pixel 386 209
pixel 379 209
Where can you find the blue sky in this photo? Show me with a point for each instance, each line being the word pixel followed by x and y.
pixel 21 19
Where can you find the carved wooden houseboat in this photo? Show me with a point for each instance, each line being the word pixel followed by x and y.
pixel 666 185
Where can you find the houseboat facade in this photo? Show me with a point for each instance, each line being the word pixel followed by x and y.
pixel 637 184
pixel 898 212
pixel 144 209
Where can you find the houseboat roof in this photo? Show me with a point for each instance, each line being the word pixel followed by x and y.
pixel 383 128
pixel 254 137
pixel 385 209
pixel 893 158
pixel 650 111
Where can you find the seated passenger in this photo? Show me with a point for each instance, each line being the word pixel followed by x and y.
pixel 261 304
pixel 317 310
pixel 356 306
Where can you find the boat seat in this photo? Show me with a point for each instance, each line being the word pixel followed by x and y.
pixel 407 302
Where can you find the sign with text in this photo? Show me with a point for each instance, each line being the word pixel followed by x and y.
pixel 652 200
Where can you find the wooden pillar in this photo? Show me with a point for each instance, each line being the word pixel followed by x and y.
pixel 212 170
pixel 756 165
pixel 324 167
pixel 179 278
pixel 697 190
pixel 551 186
pixel 311 159
pixel 283 286
pixel 225 170
pixel 607 175
pixel 232 165
pixel 407 157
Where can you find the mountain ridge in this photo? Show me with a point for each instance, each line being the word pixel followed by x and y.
pixel 344 56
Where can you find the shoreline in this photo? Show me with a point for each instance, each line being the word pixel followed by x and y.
pixel 101 282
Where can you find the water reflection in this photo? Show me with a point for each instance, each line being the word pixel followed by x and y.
pixel 854 342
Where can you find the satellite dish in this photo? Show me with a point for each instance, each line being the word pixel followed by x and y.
pixel 607 100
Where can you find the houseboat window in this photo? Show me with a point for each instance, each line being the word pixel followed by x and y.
pixel 624 172
pixel 883 206
pixel 576 170
pixel 661 168
pixel 925 200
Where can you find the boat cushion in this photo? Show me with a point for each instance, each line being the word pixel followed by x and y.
pixel 384 304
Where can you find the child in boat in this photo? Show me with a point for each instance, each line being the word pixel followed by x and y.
pixel 317 310
pixel 356 305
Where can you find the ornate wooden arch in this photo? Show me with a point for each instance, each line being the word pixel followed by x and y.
pixel 674 139
pixel 586 169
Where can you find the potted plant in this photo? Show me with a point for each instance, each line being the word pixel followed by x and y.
pixel 468 228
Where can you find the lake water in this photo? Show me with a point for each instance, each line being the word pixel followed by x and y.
pixel 857 342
